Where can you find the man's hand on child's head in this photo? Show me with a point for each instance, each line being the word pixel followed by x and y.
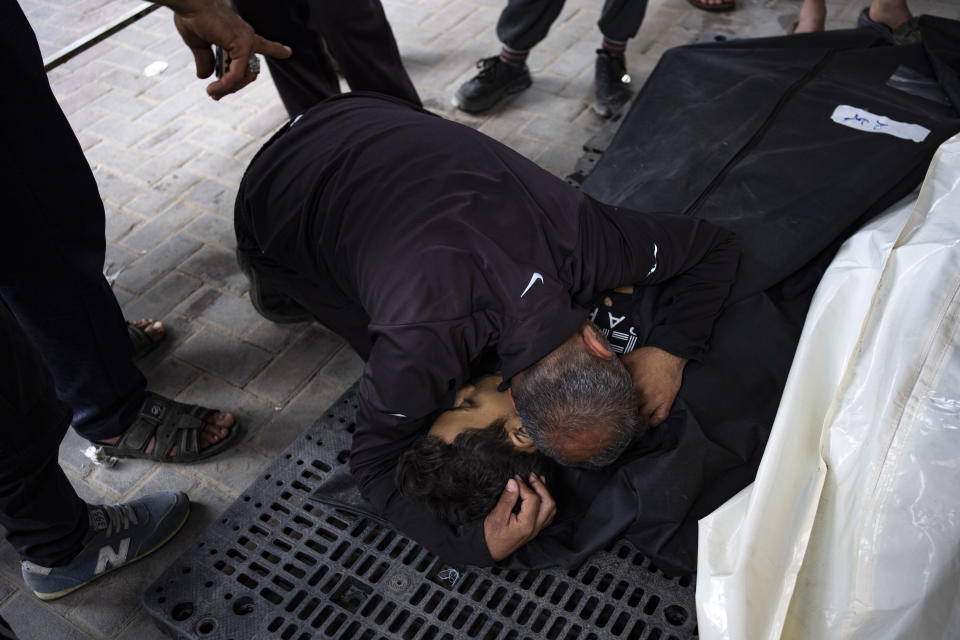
pixel 522 512
pixel 657 376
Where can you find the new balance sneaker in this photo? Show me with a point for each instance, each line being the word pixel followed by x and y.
pixel 118 535
pixel 497 80
pixel 612 83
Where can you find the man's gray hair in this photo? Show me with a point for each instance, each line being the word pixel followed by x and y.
pixel 570 393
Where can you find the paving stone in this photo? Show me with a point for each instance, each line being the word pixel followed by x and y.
pixel 115 189
pixel 224 309
pixel 34 619
pixel 218 267
pixel 216 196
pixel 114 156
pixel 160 227
pixel 118 130
pixel 117 259
pixel 127 80
pixel 123 476
pixel 142 627
pixel 560 161
pixel 162 193
pixel 167 136
pixel 120 104
pixel 301 412
pixel 233 470
pixel 159 299
pixel 86 94
pixel 119 223
pixel 527 147
pixel 161 260
pixel 167 376
pixel 128 58
pixel 162 165
pixel 214 165
pixel 7 589
pixel 171 479
pixel 272 336
pixel 345 366
pixel 264 122
pixel 223 140
pixel 553 130
pixel 222 356
pixel 213 229
pixel 175 107
pixel 295 365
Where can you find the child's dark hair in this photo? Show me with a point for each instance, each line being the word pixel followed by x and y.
pixel 462 482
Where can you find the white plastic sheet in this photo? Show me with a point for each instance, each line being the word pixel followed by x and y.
pixel 852 527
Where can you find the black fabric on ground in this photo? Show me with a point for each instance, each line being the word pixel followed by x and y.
pixel 739 133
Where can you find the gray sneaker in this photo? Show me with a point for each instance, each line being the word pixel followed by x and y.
pixel 118 535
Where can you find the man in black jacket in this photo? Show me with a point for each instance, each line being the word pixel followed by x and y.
pixel 435 251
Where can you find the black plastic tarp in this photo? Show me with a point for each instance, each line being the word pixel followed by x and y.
pixel 787 142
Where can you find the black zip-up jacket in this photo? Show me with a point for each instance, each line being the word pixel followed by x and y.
pixel 426 243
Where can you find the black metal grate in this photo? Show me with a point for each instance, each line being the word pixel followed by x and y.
pixel 280 564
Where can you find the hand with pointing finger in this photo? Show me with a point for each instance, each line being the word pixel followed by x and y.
pixel 506 528
pixel 203 23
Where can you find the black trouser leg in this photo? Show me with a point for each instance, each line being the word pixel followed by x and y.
pixel 524 23
pixel 620 20
pixel 357 34
pixel 44 518
pixel 51 268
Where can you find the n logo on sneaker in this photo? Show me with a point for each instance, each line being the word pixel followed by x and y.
pixel 109 556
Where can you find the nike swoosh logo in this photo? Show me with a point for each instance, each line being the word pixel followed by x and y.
pixel 655 263
pixel 536 276
pixel 399 415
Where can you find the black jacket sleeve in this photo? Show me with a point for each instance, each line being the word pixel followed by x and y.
pixel 693 261
pixel 407 378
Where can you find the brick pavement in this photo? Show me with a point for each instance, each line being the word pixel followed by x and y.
pixel 168 160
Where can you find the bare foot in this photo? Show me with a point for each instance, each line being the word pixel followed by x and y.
pixel 153 328
pixel 892 13
pixel 216 427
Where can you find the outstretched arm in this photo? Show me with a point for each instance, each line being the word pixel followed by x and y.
pixel 693 262
pixel 203 23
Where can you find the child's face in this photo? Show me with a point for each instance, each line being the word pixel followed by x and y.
pixel 476 406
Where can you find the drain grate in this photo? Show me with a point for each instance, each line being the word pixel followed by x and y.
pixel 280 563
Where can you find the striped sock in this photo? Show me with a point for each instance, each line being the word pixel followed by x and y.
pixel 516 58
pixel 613 47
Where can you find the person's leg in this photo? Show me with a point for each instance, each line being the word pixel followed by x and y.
pixel 619 21
pixel 281 294
pixel 44 518
pixel 307 77
pixel 51 270
pixel 522 24
pixel 361 41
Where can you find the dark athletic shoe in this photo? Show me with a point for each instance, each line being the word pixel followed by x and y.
pixel 118 535
pixel 612 84
pixel 497 80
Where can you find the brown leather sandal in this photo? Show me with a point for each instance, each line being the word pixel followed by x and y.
pixel 173 424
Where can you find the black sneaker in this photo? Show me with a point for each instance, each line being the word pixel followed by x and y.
pixel 612 82
pixel 497 79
